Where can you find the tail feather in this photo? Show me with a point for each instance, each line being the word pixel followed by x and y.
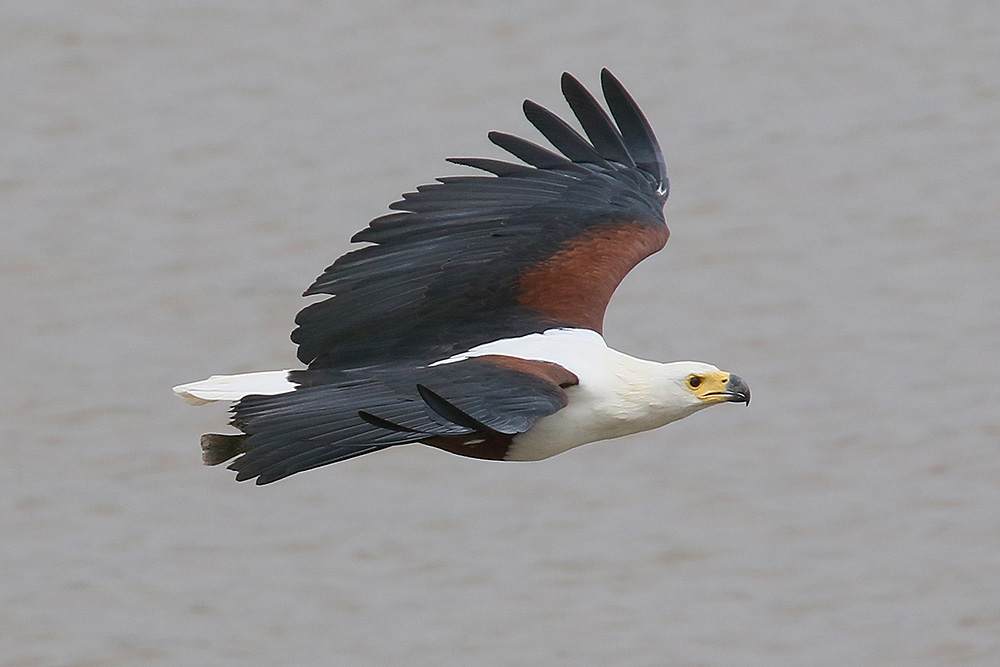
pixel 235 387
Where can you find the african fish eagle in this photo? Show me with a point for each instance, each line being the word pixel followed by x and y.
pixel 472 320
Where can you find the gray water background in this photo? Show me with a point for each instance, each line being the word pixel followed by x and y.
pixel 174 174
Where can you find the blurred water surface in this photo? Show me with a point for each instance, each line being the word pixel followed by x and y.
pixel 174 174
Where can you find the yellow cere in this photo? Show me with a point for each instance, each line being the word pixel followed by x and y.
pixel 710 387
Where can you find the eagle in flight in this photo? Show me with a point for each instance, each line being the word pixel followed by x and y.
pixel 472 320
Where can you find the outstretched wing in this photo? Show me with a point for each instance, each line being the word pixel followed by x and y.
pixel 472 259
pixel 472 407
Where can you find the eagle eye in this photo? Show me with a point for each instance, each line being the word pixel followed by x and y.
pixel 694 381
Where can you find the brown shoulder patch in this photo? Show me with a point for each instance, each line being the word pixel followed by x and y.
pixel 545 370
pixel 575 285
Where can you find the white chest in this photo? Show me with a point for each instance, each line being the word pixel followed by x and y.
pixel 608 403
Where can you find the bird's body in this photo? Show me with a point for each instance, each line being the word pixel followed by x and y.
pixel 473 324
pixel 616 394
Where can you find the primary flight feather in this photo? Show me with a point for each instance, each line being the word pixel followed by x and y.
pixel 472 322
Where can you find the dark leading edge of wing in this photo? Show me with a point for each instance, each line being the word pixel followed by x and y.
pixel 472 407
pixel 472 259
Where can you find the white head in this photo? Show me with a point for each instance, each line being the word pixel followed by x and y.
pixel 689 386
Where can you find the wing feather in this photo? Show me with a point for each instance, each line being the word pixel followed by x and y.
pixel 532 153
pixel 336 415
pixel 636 133
pixel 562 135
pixel 467 259
pixel 600 129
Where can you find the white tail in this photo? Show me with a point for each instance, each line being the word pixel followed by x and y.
pixel 235 387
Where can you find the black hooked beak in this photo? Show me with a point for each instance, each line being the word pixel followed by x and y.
pixel 737 390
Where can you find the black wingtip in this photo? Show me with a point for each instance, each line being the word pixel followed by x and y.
pixel 596 123
pixel 531 153
pixel 217 448
pixel 636 131
pixel 561 134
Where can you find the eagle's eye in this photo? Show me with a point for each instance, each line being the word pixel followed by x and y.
pixel 694 381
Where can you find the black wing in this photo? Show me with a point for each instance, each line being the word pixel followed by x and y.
pixel 336 415
pixel 472 259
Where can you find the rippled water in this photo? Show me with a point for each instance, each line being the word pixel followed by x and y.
pixel 174 174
